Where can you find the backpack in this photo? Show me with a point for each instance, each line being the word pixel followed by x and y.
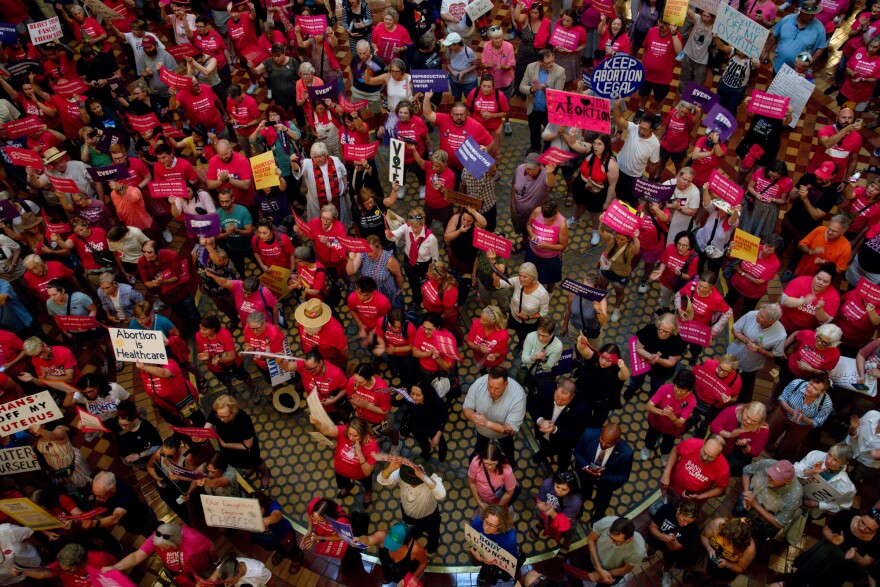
pixel 474 100
pixel 409 317
pixel 332 293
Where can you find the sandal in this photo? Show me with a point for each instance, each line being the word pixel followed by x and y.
pixel 276 559
pixel 295 566
pixel 343 493
pixel 517 248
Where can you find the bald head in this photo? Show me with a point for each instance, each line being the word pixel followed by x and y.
pixel 845 116
pixel 713 447
pixel 610 435
pixel 564 392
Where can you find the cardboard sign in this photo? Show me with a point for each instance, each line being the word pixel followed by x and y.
pixel 460 199
pixel 769 104
pixel 789 84
pixel 144 346
pixel 675 12
pixel 351 107
pixel 109 173
pixel 585 112
pixel 24 157
pixel 564 39
pixel 726 189
pixel 395 161
pixel 473 158
pixel 593 294
pixel 618 76
pixel 202 225
pixel 45 30
pixel 870 293
pixel 710 6
pixel 20 459
pixel 360 152
pixel 24 412
pixel 323 92
pixel 8 33
pixel 489 551
pixel 699 95
pixel 29 514
pixel 22 127
pixel 478 8
pixel 99 9
pixel 321 439
pixel 168 188
pixel 554 156
pixel 740 31
pixel 63 185
pixel 694 332
pixel 195 432
pixel 638 364
pixel 174 80
pixel 354 245
pixel 816 488
pixel 744 246
pixel 720 120
pixel 181 52
pixel 263 166
pixel 488 241
pixel 653 192
pixel 312 25
pixel 430 80
pixel 232 512
pixel 621 218
pixel 276 279
pixel 144 123
pixel 76 323
pixel 90 422
pixel 344 531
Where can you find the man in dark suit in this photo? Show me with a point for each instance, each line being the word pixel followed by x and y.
pixel 604 463
pixel 559 418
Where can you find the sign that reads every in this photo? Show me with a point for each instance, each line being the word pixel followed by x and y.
pixel 143 346
pixel 618 77
pixel 24 412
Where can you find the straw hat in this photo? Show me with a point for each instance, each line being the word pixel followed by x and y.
pixel 313 314
pixel 29 220
pixel 53 154
pixel 286 399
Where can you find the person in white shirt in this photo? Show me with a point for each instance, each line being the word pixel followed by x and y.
pixel 420 249
pixel 240 571
pixel 640 153
pixel 831 466
pixel 685 203
pixel 17 551
pixel 421 490
pixel 864 439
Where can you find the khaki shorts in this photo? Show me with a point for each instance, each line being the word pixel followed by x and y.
pixel 374 99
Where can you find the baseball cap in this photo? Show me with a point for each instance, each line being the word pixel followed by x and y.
pixel 451 39
pixel 532 160
pixel 148 41
pixel 826 170
pixel 398 535
pixel 781 471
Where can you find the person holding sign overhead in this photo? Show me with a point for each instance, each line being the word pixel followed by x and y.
pixel 662 44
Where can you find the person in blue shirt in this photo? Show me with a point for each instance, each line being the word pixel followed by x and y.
pixel 14 316
pixel 496 524
pixel 795 34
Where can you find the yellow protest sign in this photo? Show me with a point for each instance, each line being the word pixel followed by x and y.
pixel 744 246
pixel 29 514
pixel 675 12
pixel 263 166
pixel 276 279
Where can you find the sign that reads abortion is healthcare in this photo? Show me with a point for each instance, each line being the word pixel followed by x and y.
pixel 618 77
pixel 143 346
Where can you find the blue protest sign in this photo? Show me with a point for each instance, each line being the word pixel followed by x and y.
pixel 474 159
pixel 8 34
pixel 721 120
pixel 699 96
pixel 345 532
pixel 618 77
pixel 430 80
pixel 564 365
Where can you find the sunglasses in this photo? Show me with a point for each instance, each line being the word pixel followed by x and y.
pixel 415 217
pixel 564 477
pixel 165 536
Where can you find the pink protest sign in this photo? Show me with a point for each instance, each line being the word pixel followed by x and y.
pixel 22 127
pixel 695 333
pixel 171 131
pixel 870 293
pixel 312 25
pixel 168 188
pixel 174 80
pixel 446 345
pixel 769 104
pixel 63 185
pixel 487 241
pixel 144 122
pixel 90 422
pixel 354 106
pixel 554 156
pixel 564 39
pixel 638 363
pixel 606 8
pixel 254 54
pixel 108 579
pixel 710 389
pixel 83 516
pixel 24 157
pixel 74 323
pixel 360 152
pixel 181 52
pixel 586 112
pixel 196 432
pixel 302 226
pixel 621 218
pixel 71 87
pixel 354 245
pixel 725 189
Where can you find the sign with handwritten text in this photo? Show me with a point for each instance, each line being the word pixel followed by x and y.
pixel 585 112
pixel 740 31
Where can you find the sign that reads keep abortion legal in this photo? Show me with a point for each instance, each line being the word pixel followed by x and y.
pixel 138 346
pixel 768 104
pixel 202 225
pixel 653 192
pixel 45 30
pixel 700 96
pixel 586 112
pixel 725 188
pixel 618 77
pixel 20 459
pixel 232 512
pixel 24 412
pixel 740 31
pixel 621 218
pixel 582 290
pixel 430 80
pixel 487 241
pixel 719 119
pixel 473 158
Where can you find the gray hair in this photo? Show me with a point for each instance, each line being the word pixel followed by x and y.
pixel 842 452
pixel 668 319
pixel 756 410
pixel 364 44
pixel 773 240
pixel 106 277
pixel 318 150
pixel 842 220
pixel 228 568
pixel 687 171
pixel 530 270
pixel 832 332
pixel 174 531
pixel 256 318
pixel 32 260
pixel 772 311
pixel 392 12
pixel 306 68
pixel 331 209
pixel 33 346
pixel 76 9
pixel 72 555
pixel 105 480
pixel 690 107
pixel 496 33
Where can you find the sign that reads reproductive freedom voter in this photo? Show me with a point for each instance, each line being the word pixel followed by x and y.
pixel 618 77
pixel 24 412
pixel 20 459
pixel 653 192
pixel 473 158
pixel 138 346
pixel 586 112
pixel 232 512
pixel 430 80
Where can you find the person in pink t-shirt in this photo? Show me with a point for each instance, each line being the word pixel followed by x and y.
pixel 668 411
pixel 367 307
pixel 751 280
pixel 696 469
pixel 809 301
pixel 488 105
pixel 675 136
pixel 184 552
pixel 390 40
pixel 662 44
pixel 488 338
pixel 441 178
pixel 499 60
pixel 862 72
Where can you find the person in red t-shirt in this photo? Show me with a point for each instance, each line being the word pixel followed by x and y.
pixel 319 329
pixel 668 411
pixel 442 178
pixel 839 143
pixel 367 306
pixel 455 128
pixel 718 384
pixel 11 353
pixel 488 338
pixel 89 243
pixel 808 301
pixel 701 302
pixel 675 136
pixel 169 167
pixel 862 204
pixel 325 379
pixel 858 319
pixel 71 566
pixel 354 457
pixel 751 280
pixel 662 44
pixel 39 273
pixel 489 106
pixel 55 363
pixel 216 347
pixel 696 469
pixel 201 106
pixel 371 399
pixel 813 352
pixel 86 29
pixel 706 157
pixel 440 296
pixel 272 248
pixel 172 393
pixel 228 169
pixel 245 114
pixel 678 262
pixel 139 174
pixel 394 341
pixel 413 131
pixel 211 43
pixel 262 337
pixel 243 36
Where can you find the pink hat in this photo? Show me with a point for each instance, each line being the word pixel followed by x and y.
pixel 781 472
pixel 826 171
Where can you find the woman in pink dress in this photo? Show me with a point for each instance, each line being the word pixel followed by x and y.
pixel 548 238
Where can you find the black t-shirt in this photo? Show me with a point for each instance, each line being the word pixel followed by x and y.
pixel 237 430
pixel 139 440
pixel 669 347
pixel 869 255
pixel 668 524
pixel 601 387
pixel 824 199
pixel 417 19
pixel 429 60
pixel 136 512
pixel 766 132
pixel 841 522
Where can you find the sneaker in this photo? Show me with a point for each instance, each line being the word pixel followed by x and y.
pixel 657 122
pixel 877 150
pixel 421 192
pixel 615 316
pixel 268 94
pixel 401 193
pixel 666 581
pixel 508 130
pixel 569 222
pixel 169 238
pixel 90 436
pixel 664 459
pixel 786 276
pixel 252 88
pixel 830 90
pixel 595 238
pixel 643 287
pixel 645 454
pixel 159 305
pixel 639 115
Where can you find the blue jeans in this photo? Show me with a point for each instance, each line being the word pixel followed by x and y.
pixel 731 98
pixel 461 91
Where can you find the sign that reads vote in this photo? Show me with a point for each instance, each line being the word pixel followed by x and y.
pixel 621 218
pixel 744 246
pixel 719 119
pixel 740 31
pixel 653 192
pixel 22 127
pixel 109 173
pixel 638 364
pixel 45 30
pixel 232 512
pixel 473 158
pixel 618 76
pixel 490 552
pixel 586 112
pixel 144 346
pixel 20 459
pixel 554 156
pixel 726 189
pixel 263 166
pixel 487 241
pixel 360 152
pixel 24 412
pixel 395 161
pixel 430 80
pixel 582 290
pixel 312 25
pixel 564 39
pixel 202 225
pixel 695 332
pixel 798 89
pixel 768 104
pixel 700 96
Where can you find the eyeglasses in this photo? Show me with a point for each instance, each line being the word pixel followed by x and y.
pixel 664 331
pixel 492 29
pixel 823 340
pixel 415 217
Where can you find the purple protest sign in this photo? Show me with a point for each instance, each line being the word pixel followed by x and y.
pixel 721 120
pixel 110 137
pixel 312 25
pixel 769 105
pixel 430 80
pixel 323 92
pixel 699 96
pixel 109 173
pixel 725 188
pixel 695 332
pixel 473 158
pixel 8 33
pixel 8 211
pixel 202 225
pixel 344 531
pixel 638 363
pixel 585 291
pixel 653 192
pixel 586 112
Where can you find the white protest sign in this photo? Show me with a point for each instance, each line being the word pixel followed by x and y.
pixel 491 552
pixel 395 161
pixel 740 31
pixel 478 8
pixel 45 30
pixel 710 6
pixel 144 346
pixel 20 459
pixel 817 488
pixel 788 83
pixel 278 375
pixel 232 512
pixel 24 412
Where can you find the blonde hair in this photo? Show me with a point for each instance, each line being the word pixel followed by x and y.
pixel 668 319
pixel 442 270
pixel 226 401
pixel 497 316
